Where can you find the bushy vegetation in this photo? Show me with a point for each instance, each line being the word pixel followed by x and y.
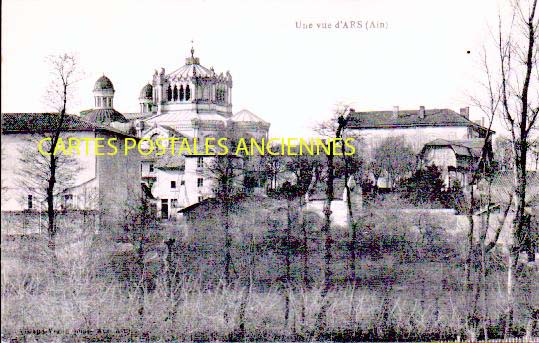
pixel 426 187
pixel 409 287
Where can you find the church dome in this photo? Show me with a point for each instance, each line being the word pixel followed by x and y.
pixel 104 116
pixel 189 71
pixel 146 92
pixel 193 69
pixel 103 83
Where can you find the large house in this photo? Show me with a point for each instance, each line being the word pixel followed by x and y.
pixel 438 136
pixel 103 184
pixel 418 126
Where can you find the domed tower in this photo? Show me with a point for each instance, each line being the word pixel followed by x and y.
pixel 146 99
pixel 193 87
pixel 104 113
pixel 103 93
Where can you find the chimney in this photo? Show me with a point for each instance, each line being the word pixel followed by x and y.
pixel 465 112
pixel 421 112
pixel 395 111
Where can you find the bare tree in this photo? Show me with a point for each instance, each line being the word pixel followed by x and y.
pixel 514 80
pixel 51 172
pixel 326 227
pixel 395 158
pixel 227 172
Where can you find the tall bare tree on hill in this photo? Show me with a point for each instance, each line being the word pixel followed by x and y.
pixel 327 129
pixel 519 79
pixel 51 172
pixel 512 75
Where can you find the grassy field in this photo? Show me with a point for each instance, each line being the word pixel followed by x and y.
pixel 409 287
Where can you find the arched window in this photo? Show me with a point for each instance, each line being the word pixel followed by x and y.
pixel 187 93
pixel 175 93
pixel 169 93
pixel 182 94
pixel 220 95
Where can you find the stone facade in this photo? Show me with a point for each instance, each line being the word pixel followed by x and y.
pixel 105 185
pixel 419 128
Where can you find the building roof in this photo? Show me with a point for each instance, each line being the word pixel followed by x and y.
pixel 104 116
pixel 46 122
pixel 408 118
pixel 193 68
pixel 463 147
pixel 103 83
pixel 188 71
pixel 247 116
pixel 198 204
pixel 136 115
pixel 186 117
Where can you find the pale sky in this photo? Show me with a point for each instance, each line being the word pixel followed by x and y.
pixel 290 77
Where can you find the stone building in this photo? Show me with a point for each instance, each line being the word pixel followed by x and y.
pixel 418 127
pixel 98 183
pixel 422 129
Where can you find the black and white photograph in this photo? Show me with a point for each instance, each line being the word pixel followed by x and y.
pixel 270 171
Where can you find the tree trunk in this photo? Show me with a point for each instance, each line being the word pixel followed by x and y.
pixel 326 232
pixel 170 285
pixel 140 261
pixel 246 292
pixel 304 259
pixel 352 225
pixel 51 213
pixel 288 246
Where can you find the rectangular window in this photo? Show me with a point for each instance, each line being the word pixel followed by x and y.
pixel 200 162
pixel 200 182
pixel 174 203
pixel 151 168
pixel 200 198
pixel 182 182
pixel 172 184
pixel 30 204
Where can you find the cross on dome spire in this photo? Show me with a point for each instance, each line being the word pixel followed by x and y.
pixel 192 59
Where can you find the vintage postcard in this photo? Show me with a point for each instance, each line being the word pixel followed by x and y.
pixel 291 171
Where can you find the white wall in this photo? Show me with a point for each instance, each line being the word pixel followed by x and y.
pixel 416 136
pixel 14 197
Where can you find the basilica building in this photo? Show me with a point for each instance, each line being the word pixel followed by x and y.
pixel 192 102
